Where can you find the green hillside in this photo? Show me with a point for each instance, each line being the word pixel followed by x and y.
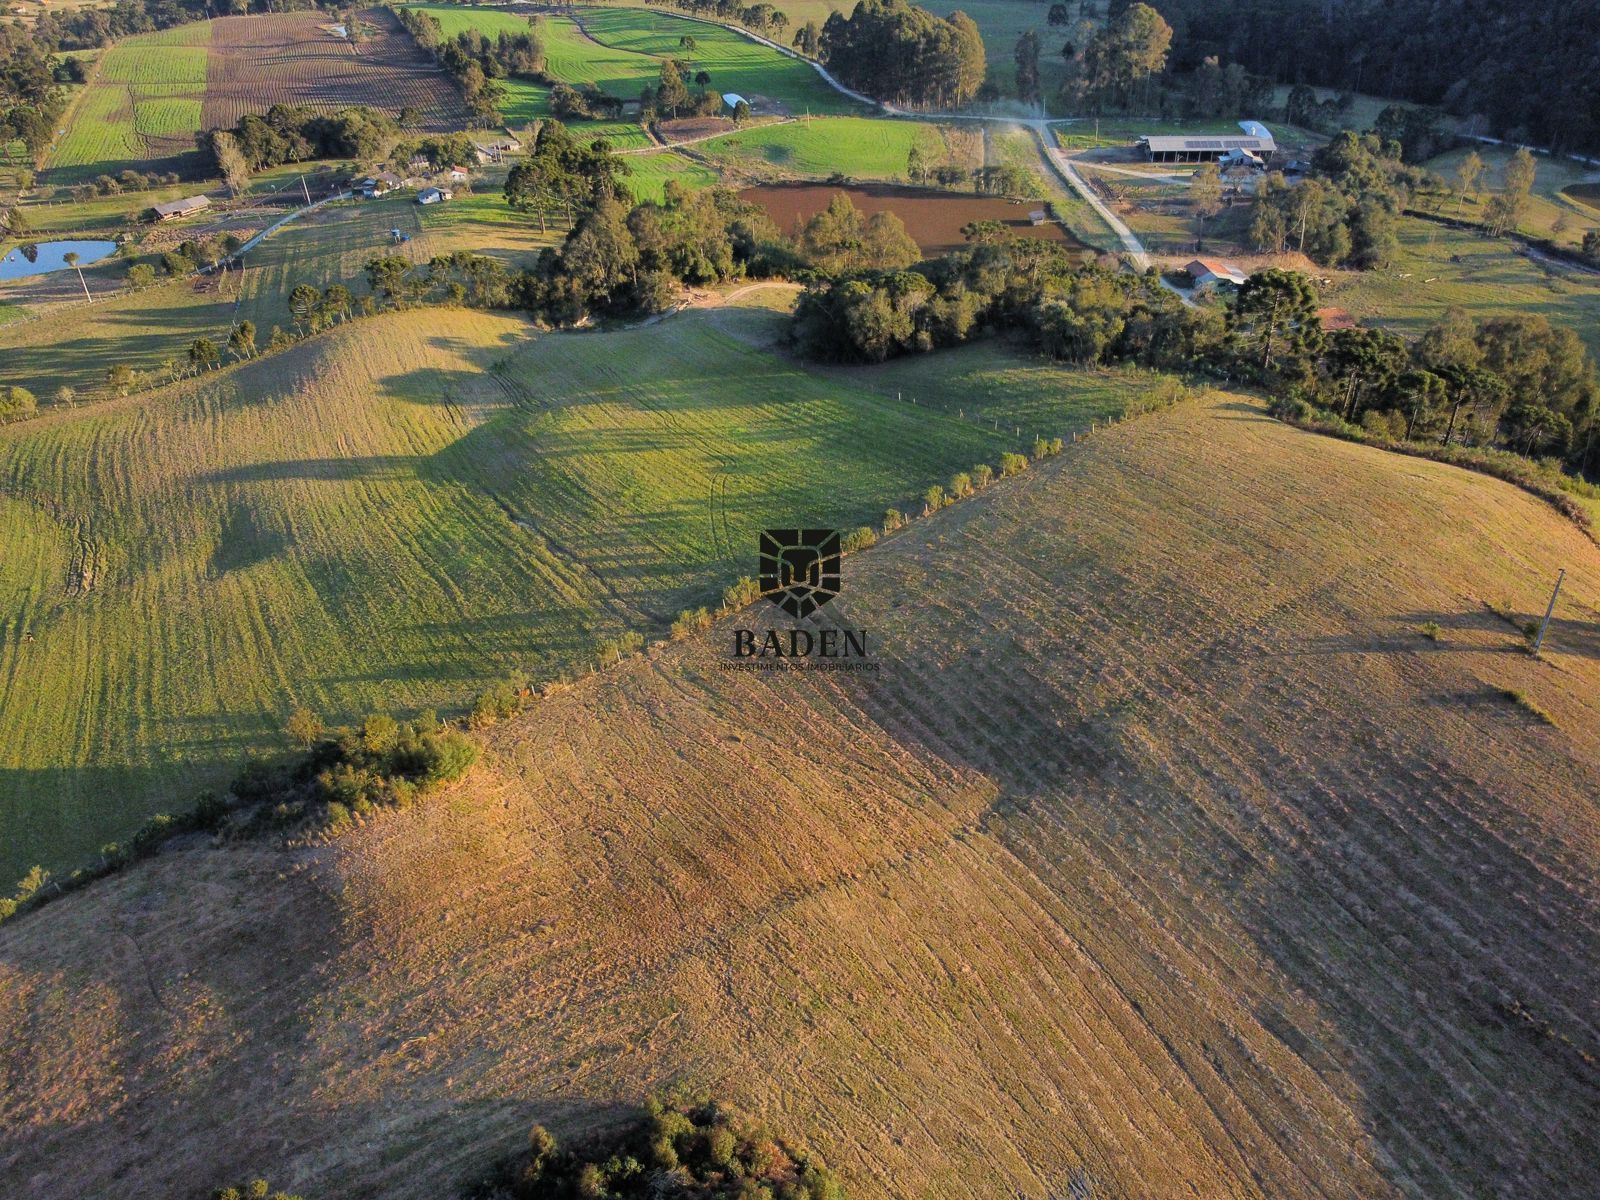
pixel 398 513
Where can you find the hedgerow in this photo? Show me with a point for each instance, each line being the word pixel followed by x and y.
pixel 382 763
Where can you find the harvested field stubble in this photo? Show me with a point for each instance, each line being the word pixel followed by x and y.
pixel 1158 860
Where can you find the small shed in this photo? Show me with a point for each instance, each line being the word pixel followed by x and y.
pixel 181 208
pixel 733 100
pixel 1211 272
pixel 458 174
pixel 433 195
pixel 1240 158
pixel 1038 217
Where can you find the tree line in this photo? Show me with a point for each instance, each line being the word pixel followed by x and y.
pixel 897 52
pixel 762 18
pixel 1515 383
pixel 1344 213
pixel 476 62
pixel 1528 68
pixel 288 133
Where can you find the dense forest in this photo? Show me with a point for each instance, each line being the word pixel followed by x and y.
pixel 1528 69
pixel 897 52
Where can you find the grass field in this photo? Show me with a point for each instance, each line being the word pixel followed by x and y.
pixel 1552 201
pixel 1001 22
pixel 648 174
pixel 406 508
pixel 76 346
pixel 858 147
pixel 620 51
pixel 1439 266
pixel 334 244
pixel 1163 856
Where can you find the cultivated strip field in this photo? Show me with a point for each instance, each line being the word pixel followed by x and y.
pixel 1157 861
pixel 152 93
pixel 142 104
pixel 399 512
pixel 257 62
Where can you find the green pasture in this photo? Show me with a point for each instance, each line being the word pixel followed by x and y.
pixel 1556 208
pixel 620 51
pixel 100 212
pixel 1439 267
pixel 75 346
pixel 648 174
pixel 140 109
pixel 859 147
pixel 408 507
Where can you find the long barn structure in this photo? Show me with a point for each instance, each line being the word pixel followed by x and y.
pixel 1201 148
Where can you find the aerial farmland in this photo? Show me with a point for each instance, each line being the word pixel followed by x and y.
pixel 799 601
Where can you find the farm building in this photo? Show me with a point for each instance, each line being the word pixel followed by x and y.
pixel 733 100
pixel 495 149
pixel 458 174
pixel 380 184
pixel 1256 140
pixel 433 195
pixel 1238 158
pixel 1211 272
pixel 181 208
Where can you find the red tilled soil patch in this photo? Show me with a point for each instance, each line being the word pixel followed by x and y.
pixel 291 58
pixel 933 218
pixel 687 128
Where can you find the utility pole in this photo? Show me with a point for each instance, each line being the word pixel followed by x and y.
pixel 305 189
pixel 1545 624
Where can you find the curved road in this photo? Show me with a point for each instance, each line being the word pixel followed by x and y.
pixel 1052 154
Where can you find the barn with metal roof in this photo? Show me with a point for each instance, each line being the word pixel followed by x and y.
pixel 1201 148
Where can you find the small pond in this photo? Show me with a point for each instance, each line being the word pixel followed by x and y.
pixel 40 258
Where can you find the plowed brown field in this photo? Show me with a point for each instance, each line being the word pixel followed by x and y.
pixel 292 58
pixel 1163 858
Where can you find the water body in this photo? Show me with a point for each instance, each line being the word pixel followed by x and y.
pixel 40 258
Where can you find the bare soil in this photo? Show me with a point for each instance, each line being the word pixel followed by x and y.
pixel 932 218
pixel 291 58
